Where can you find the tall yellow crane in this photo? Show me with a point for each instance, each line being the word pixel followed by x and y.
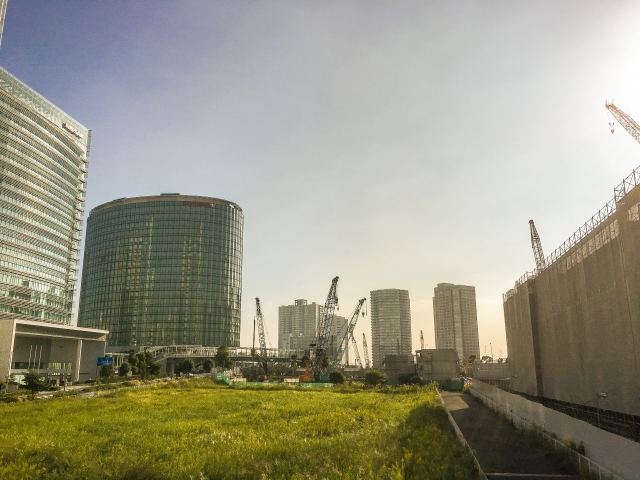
pixel 625 120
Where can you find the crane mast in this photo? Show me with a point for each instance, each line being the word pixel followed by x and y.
pixel 324 329
pixel 344 341
pixel 356 353
pixel 625 120
pixel 261 335
pixel 421 341
pixel 537 246
pixel 365 347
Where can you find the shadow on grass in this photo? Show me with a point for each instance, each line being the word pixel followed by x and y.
pixel 431 450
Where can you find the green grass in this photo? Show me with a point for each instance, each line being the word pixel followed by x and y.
pixel 195 429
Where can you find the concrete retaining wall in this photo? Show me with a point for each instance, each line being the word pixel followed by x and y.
pixel 616 454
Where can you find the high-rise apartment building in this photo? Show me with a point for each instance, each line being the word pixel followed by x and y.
pixel 43 169
pixel 297 324
pixel 390 324
pixel 455 319
pixel 164 270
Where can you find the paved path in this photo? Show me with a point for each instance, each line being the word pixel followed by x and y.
pixel 504 452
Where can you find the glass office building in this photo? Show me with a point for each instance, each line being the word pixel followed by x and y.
pixel 43 167
pixel 164 270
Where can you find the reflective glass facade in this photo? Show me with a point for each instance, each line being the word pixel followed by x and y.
pixel 43 166
pixel 164 270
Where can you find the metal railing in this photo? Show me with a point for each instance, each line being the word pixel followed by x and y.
pixel 620 191
pixel 580 460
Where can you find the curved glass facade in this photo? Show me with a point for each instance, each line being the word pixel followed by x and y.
pixel 43 161
pixel 164 270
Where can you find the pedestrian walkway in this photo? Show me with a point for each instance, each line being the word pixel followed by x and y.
pixel 504 453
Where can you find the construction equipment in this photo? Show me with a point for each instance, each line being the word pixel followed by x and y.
pixel 357 361
pixel 344 341
pixel 307 374
pixel 537 247
pixel 323 335
pixel 365 347
pixel 261 335
pixel 625 120
pixel 421 341
pixel 259 320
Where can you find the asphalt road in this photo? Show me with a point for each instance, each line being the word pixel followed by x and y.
pixel 503 451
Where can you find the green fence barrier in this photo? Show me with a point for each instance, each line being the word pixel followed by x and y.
pixel 223 377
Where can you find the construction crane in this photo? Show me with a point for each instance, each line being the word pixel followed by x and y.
pixel 324 331
pixel 358 361
pixel 537 247
pixel 365 347
pixel 344 341
pixel 625 120
pixel 421 340
pixel 259 320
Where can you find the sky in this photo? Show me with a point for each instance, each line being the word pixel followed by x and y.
pixel 394 144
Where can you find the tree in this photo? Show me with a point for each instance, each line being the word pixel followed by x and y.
pixel 133 363
pixel 154 368
pixel 304 360
pixel 325 361
pixel 185 366
pixel 472 359
pixel 207 365
pixel 106 371
pixel 374 377
pixel 35 382
pixel 124 369
pixel 337 377
pixel 222 358
pixel 294 364
pixel 486 359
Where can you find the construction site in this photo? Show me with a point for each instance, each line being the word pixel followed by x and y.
pixel 573 324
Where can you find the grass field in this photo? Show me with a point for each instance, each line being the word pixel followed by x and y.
pixel 195 429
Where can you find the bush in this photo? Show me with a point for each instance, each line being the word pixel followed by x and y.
pixel 34 382
pixel 374 378
pixel 187 366
pixel 207 365
pixel 337 377
pixel 124 369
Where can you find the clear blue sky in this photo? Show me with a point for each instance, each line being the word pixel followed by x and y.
pixel 396 144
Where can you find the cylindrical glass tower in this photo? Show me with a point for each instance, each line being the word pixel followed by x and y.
pixel 43 166
pixel 164 270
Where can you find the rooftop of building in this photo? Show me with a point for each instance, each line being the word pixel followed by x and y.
pixel 619 192
pixel 27 95
pixel 194 200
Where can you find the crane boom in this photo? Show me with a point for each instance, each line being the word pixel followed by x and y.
pixel 537 247
pixel 356 353
pixel 324 328
pixel 625 120
pixel 365 347
pixel 260 322
pixel 344 341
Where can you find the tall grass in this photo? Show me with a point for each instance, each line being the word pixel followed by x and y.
pixel 195 429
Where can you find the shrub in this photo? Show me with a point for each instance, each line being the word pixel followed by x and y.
pixel 337 377
pixel 186 366
pixel 207 365
pixel 124 369
pixel 374 378
pixel 34 382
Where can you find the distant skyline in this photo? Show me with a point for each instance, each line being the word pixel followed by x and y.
pixel 397 145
